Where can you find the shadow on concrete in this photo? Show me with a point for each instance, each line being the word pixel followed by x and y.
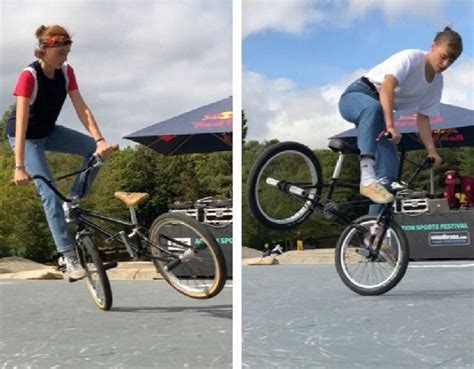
pixel 218 311
pixel 424 295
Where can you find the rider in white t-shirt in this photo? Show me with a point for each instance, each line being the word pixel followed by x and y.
pixel 408 79
pixel 413 90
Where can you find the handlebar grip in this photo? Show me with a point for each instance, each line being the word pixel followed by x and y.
pixel 428 163
pixel 383 134
pixel 98 159
pixel 12 182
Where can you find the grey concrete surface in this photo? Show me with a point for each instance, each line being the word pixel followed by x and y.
pixel 54 324
pixel 303 316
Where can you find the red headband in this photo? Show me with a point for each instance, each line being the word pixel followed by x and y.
pixel 55 41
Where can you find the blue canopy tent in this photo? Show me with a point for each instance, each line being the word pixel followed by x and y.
pixel 453 127
pixel 202 130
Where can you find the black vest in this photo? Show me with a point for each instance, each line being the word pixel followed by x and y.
pixel 46 108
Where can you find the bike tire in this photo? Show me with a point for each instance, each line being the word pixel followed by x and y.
pixel 363 274
pixel 96 279
pixel 272 207
pixel 202 272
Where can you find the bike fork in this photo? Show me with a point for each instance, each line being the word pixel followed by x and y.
pixel 85 242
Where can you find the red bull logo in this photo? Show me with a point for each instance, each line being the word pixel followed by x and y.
pixel 221 119
pixel 167 138
pixel 447 134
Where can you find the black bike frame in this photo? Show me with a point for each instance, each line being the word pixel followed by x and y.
pixel 81 216
pixel 139 248
pixel 328 206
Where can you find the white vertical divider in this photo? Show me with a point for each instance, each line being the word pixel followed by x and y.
pixel 237 182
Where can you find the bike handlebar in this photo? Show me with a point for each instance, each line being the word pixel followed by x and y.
pixel 427 163
pixel 384 134
pixel 53 188
pixel 95 161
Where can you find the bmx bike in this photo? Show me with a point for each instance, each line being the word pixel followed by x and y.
pixel 183 250
pixel 285 187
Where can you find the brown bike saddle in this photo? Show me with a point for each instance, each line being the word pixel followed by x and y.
pixel 131 198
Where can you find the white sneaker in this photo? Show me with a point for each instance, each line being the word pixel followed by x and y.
pixel 74 268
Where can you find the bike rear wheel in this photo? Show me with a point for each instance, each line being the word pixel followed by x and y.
pixel 364 270
pixel 270 198
pixel 96 278
pixel 187 256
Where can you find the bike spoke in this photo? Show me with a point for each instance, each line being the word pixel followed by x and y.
pixel 359 266
pixel 185 257
pixel 280 205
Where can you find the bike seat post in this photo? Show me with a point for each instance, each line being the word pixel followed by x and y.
pixel 133 215
pixel 338 167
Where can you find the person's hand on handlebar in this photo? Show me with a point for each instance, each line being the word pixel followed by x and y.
pixel 394 136
pixel 21 177
pixel 104 149
pixel 437 159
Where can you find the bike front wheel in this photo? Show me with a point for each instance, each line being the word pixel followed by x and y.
pixel 364 269
pixel 284 185
pixel 187 255
pixel 96 279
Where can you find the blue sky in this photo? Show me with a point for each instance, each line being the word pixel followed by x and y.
pixel 319 55
pixel 332 43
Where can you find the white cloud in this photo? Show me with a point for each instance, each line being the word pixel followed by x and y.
pixel 459 84
pixel 279 15
pixel 311 116
pixel 137 62
pixel 391 10
pixel 295 16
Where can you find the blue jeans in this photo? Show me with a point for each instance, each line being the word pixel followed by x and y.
pixel 67 141
pixel 360 105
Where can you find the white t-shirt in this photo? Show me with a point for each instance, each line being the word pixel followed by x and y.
pixel 413 91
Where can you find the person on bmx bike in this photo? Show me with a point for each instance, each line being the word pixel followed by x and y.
pixel 409 79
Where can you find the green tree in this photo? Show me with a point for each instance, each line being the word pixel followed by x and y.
pixel 244 128
pixel 319 227
pixel 23 228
